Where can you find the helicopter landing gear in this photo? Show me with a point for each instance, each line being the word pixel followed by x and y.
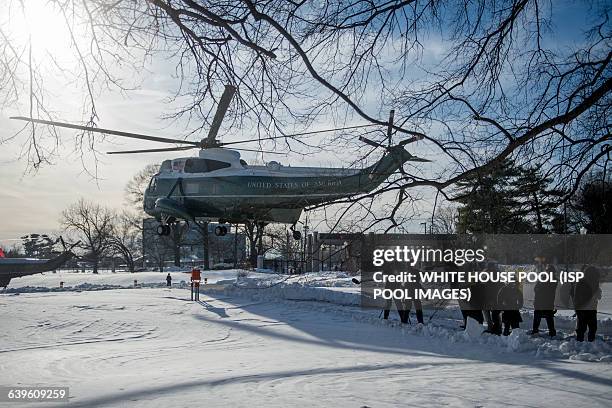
pixel 220 230
pixel 163 230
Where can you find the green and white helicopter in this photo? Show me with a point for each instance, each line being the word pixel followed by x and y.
pixel 219 186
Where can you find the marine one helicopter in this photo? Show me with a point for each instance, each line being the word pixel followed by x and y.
pixel 219 186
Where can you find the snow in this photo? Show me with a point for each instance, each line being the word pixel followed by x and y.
pixel 267 340
pixel 123 279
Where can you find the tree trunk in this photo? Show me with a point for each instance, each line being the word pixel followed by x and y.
pixel 176 244
pixel 250 230
pixel 538 214
pixel 253 253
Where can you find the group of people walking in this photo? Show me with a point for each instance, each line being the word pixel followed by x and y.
pixel 498 304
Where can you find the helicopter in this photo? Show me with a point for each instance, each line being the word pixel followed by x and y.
pixel 218 185
pixel 18 267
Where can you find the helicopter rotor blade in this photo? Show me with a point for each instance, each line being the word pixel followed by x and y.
pixel 298 134
pixel 419 159
pixel 402 144
pixel 371 142
pixel 108 131
pixel 259 151
pixel 224 103
pixel 182 148
pixel 411 140
pixel 163 149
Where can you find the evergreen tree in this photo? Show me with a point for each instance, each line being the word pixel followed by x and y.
pixel 594 202
pixel 38 245
pixel 488 204
pixel 536 201
pixel 508 200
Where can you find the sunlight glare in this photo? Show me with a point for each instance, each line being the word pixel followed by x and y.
pixel 43 23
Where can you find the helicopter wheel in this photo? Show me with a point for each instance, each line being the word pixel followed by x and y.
pixel 297 235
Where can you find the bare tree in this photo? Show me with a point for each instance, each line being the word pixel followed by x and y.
pixel 445 220
pixel 135 188
pixel 126 238
pixel 254 232
pixel 93 225
pixel 157 249
pixel 502 86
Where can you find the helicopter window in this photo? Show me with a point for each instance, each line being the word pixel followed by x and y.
pixel 216 165
pixel 166 166
pixel 152 185
pixel 191 188
pixel 243 163
pixel 204 165
pixel 195 166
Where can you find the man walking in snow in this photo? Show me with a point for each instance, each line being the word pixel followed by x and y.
pixel 418 305
pixel 586 294
pixel 390 268
pixel 544 303
pixel 510 298
pixel 168 280
pixel 489 296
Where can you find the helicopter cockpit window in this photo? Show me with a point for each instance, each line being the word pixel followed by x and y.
pixel 243 163
pixel 166 166
pixel 152 185
pixel 204 165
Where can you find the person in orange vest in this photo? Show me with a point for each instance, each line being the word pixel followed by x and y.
pixel 195 283
pixel 195 275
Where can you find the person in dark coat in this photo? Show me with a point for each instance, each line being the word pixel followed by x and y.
pixel 473 307
pixel 392 268
pixel 492 313
pixel 418 305
pixel 168 280
pixel 510 298
pixel 585 295
pixel 544 303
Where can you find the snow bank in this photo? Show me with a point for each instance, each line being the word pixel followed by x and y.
pixel 334 292
pixel 49 281
pixel 340 299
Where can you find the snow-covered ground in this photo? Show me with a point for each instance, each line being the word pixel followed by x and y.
pixel 271 341
pixel 124 279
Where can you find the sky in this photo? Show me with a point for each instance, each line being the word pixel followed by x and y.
pixel 33 201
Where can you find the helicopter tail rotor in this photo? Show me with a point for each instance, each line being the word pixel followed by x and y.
pixel 400 145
